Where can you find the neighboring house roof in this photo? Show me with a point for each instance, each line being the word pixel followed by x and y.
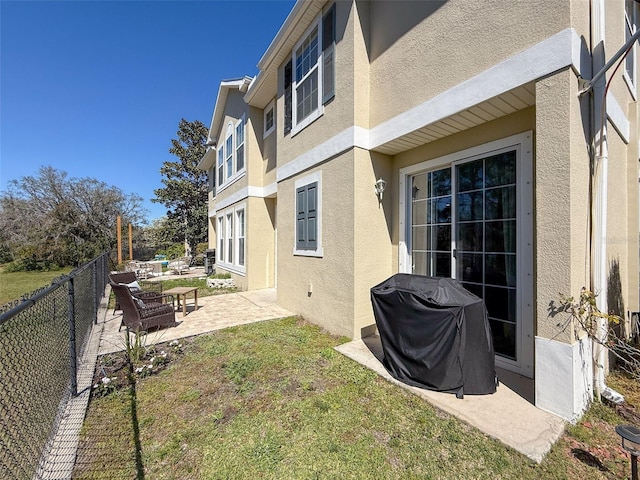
pixel 265 85
pixel 226 86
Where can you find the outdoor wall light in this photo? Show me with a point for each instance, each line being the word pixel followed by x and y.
pixel 380 186
pixel 630 435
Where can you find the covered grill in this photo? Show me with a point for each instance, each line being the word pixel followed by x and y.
pixel 435 334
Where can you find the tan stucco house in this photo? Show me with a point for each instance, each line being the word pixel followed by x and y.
pixel 503 167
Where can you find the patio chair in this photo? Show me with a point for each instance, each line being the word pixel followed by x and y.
pixel 146 291
pixel 138 315
pixel 141 269
pixel 180 265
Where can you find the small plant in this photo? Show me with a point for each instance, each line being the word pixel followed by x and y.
pixel 176 346
pixel 137 350
pixel 105 387
pixel 586 314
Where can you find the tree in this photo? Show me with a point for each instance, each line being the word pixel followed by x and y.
pixel 185 191
pixel 49 219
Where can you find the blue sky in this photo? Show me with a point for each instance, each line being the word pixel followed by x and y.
pixel 97 89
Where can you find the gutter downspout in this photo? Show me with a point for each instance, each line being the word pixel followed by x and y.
pixel 598 249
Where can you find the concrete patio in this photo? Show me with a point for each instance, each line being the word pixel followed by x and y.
pixel 213 313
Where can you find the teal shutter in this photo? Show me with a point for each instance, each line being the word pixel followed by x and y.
pixel 307 217
pixel 328 54
pixel 288 96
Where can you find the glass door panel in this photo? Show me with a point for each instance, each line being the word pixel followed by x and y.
pixel 431 223
pixel 476 234
pixel 485 224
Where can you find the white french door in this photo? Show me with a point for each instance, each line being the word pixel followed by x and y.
pixel 469 218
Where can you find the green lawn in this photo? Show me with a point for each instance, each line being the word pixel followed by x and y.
pixel 15 284
pixel 274 400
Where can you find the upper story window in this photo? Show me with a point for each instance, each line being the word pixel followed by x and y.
pixel 631 27
pixel 231 155
pixel 240 145
pixel 309 78
pixel 269 119
pixel 221 165
pixel 212 179
pixel 308 68
pixel 228 146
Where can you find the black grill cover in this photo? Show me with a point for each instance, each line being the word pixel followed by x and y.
pixel 435 334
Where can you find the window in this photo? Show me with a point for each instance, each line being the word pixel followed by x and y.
pixel 229 152
pixel 269 119
pixel 231 239
pixel 231 155
pixel 306 77
pixel 308 204
pixel 221 165
pixel 212 180
pixel 631 26
pixel 240 145
pixel 309 78
pixel 220 253
pixel 240 236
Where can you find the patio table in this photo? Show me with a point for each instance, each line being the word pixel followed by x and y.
pixel 184 291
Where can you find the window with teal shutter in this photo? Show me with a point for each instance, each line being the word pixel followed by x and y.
pixel 307 217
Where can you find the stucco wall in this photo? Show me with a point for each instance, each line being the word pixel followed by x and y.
pixel 561 199
pixel 320 289
pixel 373 224
pixel 260 243
pixel 426 48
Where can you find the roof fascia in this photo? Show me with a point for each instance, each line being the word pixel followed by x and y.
pixel 241 84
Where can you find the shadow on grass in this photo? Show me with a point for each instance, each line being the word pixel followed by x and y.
pixel 588 459
pixel 116 452
pixel 135 426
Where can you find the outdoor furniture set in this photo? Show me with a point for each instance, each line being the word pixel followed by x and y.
pixel 145 309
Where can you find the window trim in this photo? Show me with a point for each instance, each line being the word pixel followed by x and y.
pixel 268 131
pixel 308 180
pixel 221 239
pixel 235 174
pixel 237 145
pixel 229 155
pixel 631 27
pixel 229 228
pixel 241 233
pixel 220 167
pixel 297 126
pixel 222 260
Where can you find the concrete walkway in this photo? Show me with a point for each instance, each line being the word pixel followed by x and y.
pixel 505 415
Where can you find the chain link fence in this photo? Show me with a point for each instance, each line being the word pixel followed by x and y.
pixel 41 339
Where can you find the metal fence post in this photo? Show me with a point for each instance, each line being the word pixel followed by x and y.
pixel 72 339
pixel 95 291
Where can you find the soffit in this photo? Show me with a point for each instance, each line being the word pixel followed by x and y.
pixel 492 109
